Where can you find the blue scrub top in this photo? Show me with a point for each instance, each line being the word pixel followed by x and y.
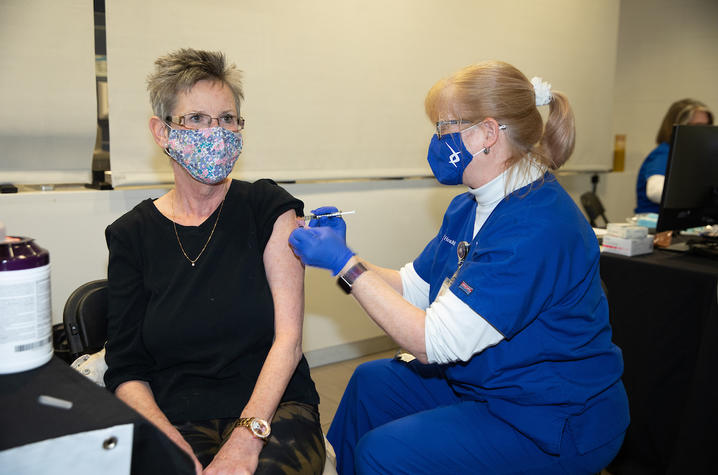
pixel 654 164
pixel 533 273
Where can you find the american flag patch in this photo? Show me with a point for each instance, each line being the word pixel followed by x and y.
pixel 466 288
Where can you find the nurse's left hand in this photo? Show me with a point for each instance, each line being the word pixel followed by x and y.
pixel 320 247
pixel 336 222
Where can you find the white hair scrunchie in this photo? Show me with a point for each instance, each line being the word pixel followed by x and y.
pixel 542 90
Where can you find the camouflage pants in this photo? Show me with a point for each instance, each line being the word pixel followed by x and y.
pixel 296 445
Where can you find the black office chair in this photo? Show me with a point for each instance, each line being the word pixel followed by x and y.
pixel 593 208
pixel 85 318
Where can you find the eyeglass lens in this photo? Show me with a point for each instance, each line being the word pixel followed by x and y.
pixel 443 125
pixel 202 121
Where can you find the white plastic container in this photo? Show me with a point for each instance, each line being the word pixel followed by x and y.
pixel 25 307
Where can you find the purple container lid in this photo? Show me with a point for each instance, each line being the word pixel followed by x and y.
pixel 20 253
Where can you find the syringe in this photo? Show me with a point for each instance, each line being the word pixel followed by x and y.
pixel 328 215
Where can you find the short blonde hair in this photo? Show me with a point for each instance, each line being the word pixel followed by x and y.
pixel 180 70
pixel 498 90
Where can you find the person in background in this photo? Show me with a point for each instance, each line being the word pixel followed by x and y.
pixel 649 185
pixel 514 368
pixel 206 299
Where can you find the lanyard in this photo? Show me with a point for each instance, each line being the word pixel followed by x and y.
pixel 462 251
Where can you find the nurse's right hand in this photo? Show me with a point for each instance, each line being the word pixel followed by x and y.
pixel 337 223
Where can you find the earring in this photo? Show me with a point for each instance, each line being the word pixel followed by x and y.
pixel 487 150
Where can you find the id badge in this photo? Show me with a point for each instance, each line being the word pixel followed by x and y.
pixel 462 250
pixel 444 286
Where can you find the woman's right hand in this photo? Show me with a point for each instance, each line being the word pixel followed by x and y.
pixel 336 223
pixel 180 442
pixel 138 395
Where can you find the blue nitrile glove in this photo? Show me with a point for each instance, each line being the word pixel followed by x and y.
pixel 320 247
pixel 336 223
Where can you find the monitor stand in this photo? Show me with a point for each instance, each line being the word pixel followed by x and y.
pixel 698 245
pixel 678 246
pixel 679 243
pixel 704 247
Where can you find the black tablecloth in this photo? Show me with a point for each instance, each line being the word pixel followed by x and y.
pixel 24 421
pixel 664 315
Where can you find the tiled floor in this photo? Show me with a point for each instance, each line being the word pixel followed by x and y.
pixel 331 380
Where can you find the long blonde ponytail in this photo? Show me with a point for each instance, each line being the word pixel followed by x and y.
pixel 559 136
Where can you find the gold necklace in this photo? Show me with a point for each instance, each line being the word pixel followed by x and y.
pixel 174 225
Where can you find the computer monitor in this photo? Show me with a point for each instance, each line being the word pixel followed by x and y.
pixel 690 189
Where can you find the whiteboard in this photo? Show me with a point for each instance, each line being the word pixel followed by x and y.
pixel 48 112
pixel 335 89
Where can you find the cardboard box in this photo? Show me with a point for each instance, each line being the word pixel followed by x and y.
pixel 626 230
pixel 627 247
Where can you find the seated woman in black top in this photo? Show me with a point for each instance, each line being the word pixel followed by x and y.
pixel 205 295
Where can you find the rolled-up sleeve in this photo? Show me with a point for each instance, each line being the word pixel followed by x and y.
pixel 415 289
pixel 454 332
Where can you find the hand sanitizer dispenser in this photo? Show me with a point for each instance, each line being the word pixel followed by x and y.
pixel 25 310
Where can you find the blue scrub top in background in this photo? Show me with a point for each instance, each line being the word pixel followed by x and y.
pixel 655 164
pixel 533 273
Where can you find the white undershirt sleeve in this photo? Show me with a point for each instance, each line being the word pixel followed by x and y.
pixel 414 288
pixel 654 188
pixel 454 332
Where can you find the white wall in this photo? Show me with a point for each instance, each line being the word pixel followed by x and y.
pixel 666 52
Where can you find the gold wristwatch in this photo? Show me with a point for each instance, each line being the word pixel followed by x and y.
pixel 259 427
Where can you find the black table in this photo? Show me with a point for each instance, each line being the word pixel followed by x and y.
pixel 664 315
pixel 24 421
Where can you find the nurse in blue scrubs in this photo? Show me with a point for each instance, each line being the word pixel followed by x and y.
pixel 515 371
pixel 651 175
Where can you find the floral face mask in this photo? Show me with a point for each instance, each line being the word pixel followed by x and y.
pixel 208 154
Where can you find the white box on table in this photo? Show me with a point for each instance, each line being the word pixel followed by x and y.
pixel 626 230
pixel 627 247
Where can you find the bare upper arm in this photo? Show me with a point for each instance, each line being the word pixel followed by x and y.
pixel 285 274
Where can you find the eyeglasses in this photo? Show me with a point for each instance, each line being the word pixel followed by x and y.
pixel 440 126
pixel 444 123
pixel 197 120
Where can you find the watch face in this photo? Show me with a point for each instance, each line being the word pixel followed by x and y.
pixel 345 286
pixel 260 428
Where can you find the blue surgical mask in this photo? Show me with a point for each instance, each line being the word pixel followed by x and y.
pixel 208 155
pixel 448 158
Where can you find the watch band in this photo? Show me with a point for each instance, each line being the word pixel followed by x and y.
pixel 258 427
pixel 346 281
